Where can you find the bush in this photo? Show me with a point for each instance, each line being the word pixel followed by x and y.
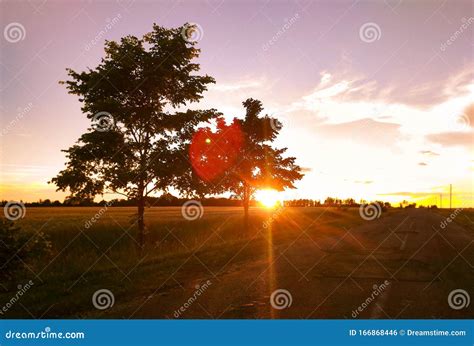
pixel 18 249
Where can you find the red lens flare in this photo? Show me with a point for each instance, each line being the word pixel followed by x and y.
pixel 212 153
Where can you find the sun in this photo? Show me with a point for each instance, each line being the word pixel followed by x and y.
pixel 268 198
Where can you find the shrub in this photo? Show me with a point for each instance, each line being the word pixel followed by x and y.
pixel 18 249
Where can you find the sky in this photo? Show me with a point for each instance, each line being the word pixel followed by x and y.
pixel 376 98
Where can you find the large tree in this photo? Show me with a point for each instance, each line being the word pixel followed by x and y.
pixel 240 158
pixel 135 99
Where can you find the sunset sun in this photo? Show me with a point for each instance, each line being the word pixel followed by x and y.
pixel 268 198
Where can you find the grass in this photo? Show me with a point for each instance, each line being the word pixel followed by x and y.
pixel 104 255
pixel 463 217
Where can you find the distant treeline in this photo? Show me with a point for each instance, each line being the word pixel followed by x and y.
pixel 162 201
pixel 173 201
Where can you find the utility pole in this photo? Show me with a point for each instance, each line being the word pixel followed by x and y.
pixel 450 195
pixel 440 201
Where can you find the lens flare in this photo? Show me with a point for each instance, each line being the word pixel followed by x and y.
pixel 268 198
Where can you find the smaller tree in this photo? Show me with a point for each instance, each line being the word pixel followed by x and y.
pixel 240 158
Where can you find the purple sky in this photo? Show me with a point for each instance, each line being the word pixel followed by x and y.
pixel 361 116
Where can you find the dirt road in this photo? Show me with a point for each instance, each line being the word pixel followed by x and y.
pixel 402 265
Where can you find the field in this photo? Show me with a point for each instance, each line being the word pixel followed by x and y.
pixel 329 261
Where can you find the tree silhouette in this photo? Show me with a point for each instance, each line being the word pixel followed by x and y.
pixel 259 165
pixel 132 98
pixel 239 158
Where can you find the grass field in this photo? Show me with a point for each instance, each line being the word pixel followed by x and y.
pixel 283 246
pixel 105 254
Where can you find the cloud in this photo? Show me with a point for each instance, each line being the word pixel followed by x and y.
pixel 235 86
pixel 365 182
pixel 368 97
pixel 429 153
pixel 428 94
pixel 365 131
pixel 408 194
pixel 453 139
pixel 344 87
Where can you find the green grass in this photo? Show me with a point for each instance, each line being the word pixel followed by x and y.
pixel 106 255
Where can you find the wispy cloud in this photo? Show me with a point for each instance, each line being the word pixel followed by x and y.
pixel 238 85
pixel 429 153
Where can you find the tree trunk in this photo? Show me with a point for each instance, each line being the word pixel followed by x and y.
pixel 246 202
pixel 246 214
pixel 141 221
